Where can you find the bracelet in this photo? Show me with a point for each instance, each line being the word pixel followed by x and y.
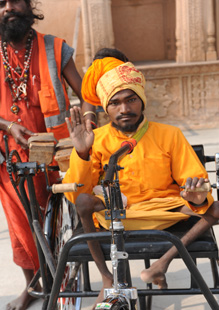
pixel 9 127
pixel 94 126
pixel 200 205
pixel 90 112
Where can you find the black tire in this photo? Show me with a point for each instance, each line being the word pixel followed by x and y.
pixel 61 220
pixel 113 303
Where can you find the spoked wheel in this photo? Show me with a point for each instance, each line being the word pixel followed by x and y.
pixel 65 220
pixel 114 303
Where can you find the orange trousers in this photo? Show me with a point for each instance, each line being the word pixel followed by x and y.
pixel 23 245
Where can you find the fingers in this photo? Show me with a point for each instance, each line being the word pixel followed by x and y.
pixel 69 126
pixel 72 122
pixel 76 119
pixel 29 133
pixel 24 144
pixel 19 139
pixel 196 190
pixel 89 127
pixel 76 116
pixel 192 183
pixel 19 132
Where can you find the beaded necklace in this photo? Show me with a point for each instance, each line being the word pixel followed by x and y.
pixel 18 92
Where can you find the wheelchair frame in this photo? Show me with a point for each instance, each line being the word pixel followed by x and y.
pixel 52 280
pixel 75 251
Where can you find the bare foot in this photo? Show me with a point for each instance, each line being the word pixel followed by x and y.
pixel 106 284
pixel 154 275
pixel 23 301
pixel 20 303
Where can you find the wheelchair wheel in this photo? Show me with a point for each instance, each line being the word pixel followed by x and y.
pixel 63 220
pixel 114 303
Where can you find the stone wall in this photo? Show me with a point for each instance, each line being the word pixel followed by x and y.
pixel 185 95
pixel 60 20
pixel 145 29
pixel 174 42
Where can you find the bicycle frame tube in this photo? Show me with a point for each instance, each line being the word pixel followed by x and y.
pixel 118 255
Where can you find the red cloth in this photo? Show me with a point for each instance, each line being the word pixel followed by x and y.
pixel 31 117
pixel 24 250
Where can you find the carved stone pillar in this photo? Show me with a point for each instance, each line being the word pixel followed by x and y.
pixel 97 27
pixel 211 40
pixel 189 31
pixel 217 24
pixel 86 33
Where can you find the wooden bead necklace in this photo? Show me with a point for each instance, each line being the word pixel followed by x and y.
pixel 18 92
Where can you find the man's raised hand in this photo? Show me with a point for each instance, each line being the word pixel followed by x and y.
pixel 80 132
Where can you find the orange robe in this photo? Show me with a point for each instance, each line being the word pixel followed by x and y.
pixel 153 172
pixel 31 117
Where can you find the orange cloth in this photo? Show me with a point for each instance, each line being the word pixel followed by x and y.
pixel 162 158
pixel 125 76
pixel 35 124
pixel 47 94
pixel 107 76
pixel 24 250
pixel 150 214
pixel 98 68
pixel 23 246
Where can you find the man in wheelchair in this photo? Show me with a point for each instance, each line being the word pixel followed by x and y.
pixel 159 165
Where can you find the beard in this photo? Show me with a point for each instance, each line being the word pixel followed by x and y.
pixel 14 31
pixel 129 127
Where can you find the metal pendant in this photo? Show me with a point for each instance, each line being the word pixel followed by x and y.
pixel 22 88
pixel 14 109
pixel 18 69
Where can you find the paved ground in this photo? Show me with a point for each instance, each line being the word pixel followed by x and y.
pixel 12 281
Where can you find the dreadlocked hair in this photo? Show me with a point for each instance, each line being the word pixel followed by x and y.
pixel 32 5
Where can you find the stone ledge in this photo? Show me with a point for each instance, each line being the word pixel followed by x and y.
pixel 185 95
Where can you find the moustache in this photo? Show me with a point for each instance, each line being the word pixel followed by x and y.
pixel 6 18
pixel 123 115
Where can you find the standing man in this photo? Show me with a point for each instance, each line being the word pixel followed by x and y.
pixel 33 99
pixel 160 163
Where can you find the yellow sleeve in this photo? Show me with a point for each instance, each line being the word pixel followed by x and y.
pixel 185 163
pixel 83 172
pixel 202 209
pixel 79 171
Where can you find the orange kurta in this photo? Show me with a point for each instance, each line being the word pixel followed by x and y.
pixel 31 117
pixel 158 165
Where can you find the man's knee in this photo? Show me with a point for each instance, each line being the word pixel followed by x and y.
pixel 86 204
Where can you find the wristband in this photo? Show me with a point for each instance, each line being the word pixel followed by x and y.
pixel 200 205
pixel 90 112
pixel 9 127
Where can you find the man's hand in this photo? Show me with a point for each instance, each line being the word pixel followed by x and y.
pixel 18 132
pixel 195 197
pixel 80 132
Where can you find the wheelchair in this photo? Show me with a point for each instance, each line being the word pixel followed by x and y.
pixel 64 255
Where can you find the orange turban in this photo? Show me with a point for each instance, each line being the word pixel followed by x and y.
pixel 107 76
pixel 98 68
